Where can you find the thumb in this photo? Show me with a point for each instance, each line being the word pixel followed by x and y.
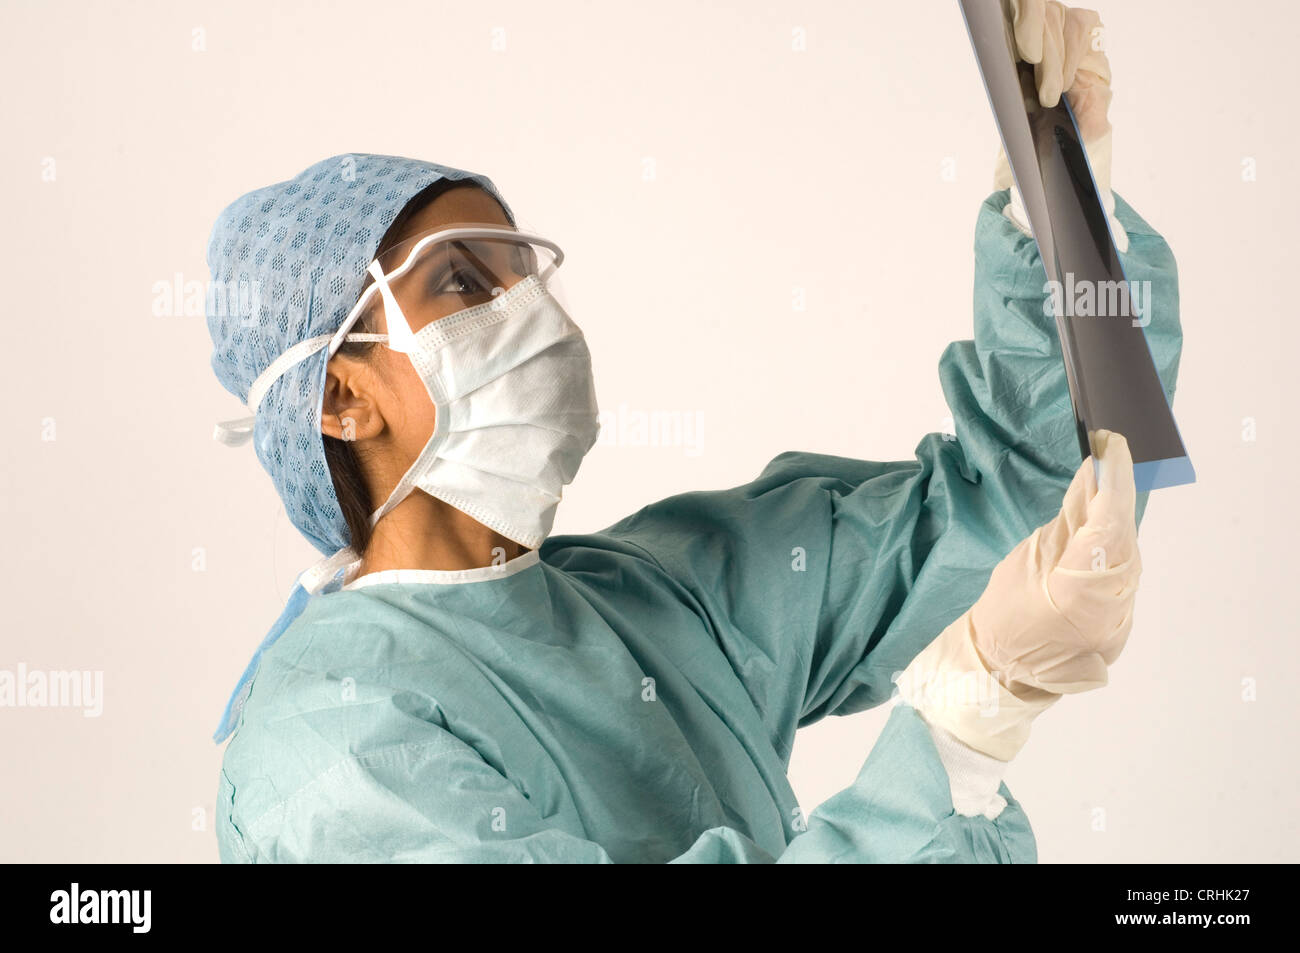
pixel 1056 536
pixel 1116 489
pixel 1107 535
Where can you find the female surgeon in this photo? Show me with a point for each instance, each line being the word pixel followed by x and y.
pixel 450 684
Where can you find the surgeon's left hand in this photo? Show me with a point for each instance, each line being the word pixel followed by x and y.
pixel 1058 609
pixel 1056 613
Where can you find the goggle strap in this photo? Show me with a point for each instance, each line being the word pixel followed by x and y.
pixel 400 337
pixel 234 433
pixel 237 432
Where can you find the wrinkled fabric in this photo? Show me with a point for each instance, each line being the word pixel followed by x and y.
pixel 633 695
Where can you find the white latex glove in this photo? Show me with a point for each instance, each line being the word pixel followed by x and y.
pixel 1056 612
pixel 1082 570
pixel 1065 45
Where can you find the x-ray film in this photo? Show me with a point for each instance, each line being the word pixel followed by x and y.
pixel 1100 316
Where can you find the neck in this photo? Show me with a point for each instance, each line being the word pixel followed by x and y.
pixel 425 533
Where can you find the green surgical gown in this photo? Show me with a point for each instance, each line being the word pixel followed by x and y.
pixel 632 695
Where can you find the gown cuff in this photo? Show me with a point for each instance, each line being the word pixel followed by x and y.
pixel 1099 158
pixel 1015 211
pixel 949 685
pixel 973 777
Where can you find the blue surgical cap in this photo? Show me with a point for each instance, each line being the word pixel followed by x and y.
pixel 288 263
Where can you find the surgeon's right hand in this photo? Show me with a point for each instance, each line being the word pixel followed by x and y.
pixel 1055 614
pixel 1065 46
pixel 1067 49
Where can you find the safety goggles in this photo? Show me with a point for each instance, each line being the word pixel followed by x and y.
pixel 440 273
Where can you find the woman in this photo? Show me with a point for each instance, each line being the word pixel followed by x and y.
pixel 463 688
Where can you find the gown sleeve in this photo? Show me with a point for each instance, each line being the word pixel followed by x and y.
pixel 824 577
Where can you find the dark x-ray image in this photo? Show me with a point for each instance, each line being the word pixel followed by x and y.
pixel 1101 316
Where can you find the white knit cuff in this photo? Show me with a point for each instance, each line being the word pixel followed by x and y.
pixel 973 778
pixel 1015 212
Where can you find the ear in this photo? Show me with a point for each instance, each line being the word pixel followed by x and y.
pixel 350 410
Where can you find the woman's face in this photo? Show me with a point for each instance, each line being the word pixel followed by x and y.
pixel 378 399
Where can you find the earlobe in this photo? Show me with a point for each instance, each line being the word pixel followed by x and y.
pixel 348 412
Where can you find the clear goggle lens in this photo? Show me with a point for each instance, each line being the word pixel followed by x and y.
pixel 441 273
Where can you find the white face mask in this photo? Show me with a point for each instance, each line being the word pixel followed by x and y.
pixel 512 387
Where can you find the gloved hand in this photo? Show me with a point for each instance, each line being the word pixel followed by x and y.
pixel 1065 46
pixel 1056 612
pixel 1058 609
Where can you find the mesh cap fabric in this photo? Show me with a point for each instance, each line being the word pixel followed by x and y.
pixel 288 263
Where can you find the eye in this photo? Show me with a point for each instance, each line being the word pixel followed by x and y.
pixel 461 281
